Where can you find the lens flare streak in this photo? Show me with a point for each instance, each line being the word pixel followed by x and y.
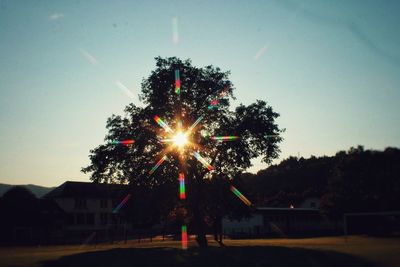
pixel 182 194
pixel 124 88
pixel 125 142
pixel 163 124
pixel 88 239
pixel 214 103
pixel 175 33
pixel 184 237
pixel 240 195
pixel 166 140
pixel 195 123
pixel 123 202
pixel 158 164
pixel 224 138
pixel 89 57
pixel 203 161
pixel 177 82
pixel 260 52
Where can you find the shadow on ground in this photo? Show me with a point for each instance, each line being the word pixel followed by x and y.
pixel 213 256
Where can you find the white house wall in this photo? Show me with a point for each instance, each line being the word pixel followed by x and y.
pixel 92 206
pixel 245 225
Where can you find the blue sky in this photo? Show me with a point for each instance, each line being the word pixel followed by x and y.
pixel 330 68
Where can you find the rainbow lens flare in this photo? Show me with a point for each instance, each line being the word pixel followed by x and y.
pixel 203 161
pixel 224 138
pixel 120 205
pixel 88 239
pixel 158 164
pixel 177 82
pixel 184 237
pixel 240 195
pixel 163 124
pixel 125 142
pixel 214 103
pixel 182 194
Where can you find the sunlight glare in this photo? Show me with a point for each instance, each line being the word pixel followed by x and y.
pixel 180 140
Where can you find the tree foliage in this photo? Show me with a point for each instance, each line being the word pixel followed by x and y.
pixel 364 181
pixel 255 124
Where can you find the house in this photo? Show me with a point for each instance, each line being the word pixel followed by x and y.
pixel 90 210
pixel 279 221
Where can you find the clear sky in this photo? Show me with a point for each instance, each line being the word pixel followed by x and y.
pixel 330 68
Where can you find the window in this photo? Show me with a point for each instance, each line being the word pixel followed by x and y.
pixel 103 218
pixel 103 203
pixel 80 203
pixel 313 205
pixel 114 218
pixel 90 218
pixel 70 219
pixel 80 218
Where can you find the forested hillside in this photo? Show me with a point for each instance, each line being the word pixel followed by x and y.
pixel 353 180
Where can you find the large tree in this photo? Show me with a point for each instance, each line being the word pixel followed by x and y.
pixel 255 125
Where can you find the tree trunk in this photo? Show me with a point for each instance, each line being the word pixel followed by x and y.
pixel 198 212
pixel 200 227
pixel 218 229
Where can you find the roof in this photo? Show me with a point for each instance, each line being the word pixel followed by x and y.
pixel 87 190
pixel 285 209
pixel 49 206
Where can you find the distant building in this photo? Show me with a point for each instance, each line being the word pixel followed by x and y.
pixel 88 208
pixel 283 222
pixel 311 203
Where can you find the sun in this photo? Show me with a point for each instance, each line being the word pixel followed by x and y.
pixel 180 139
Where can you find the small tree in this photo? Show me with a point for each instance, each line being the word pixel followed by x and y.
pixel 254 124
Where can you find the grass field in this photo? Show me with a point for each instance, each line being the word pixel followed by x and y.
pixel 325 251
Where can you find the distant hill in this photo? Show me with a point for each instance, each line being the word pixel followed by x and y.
pixel 39 191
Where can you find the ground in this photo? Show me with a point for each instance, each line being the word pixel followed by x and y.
pixel 314 252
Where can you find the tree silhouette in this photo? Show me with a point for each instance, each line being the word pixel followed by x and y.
pixel 364 181
pixel 20 208
pixel 351 181
pixel 254 124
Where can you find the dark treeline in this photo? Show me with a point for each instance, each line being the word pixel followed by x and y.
pixel 356 180
pixel 27 219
